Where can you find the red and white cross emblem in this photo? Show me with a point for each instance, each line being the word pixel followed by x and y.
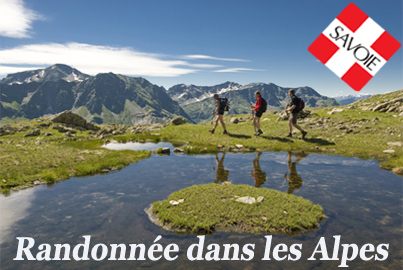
pixel 354 47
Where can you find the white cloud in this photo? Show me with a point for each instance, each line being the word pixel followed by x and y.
pixel 11 69
pixel 235 70
pixel 92 59
pixel 16 19
pixel 208 57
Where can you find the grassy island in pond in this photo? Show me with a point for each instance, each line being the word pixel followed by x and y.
pixel 235 208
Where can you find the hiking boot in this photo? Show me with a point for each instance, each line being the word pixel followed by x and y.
pixel 304 134
pixel 211 131
pixel 225 132
pixel 289 135
pixel 260 132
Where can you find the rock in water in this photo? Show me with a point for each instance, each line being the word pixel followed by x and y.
pixel 71 119
pixel 178 121
pixel 398 170
pixel 164 151
pixel 178 150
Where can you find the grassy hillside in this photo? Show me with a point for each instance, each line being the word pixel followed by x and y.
pixel 353 133
pixel 51 155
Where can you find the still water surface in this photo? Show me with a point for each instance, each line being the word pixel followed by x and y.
pixel 363 204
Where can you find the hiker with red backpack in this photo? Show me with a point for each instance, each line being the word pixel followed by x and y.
pixel 258 109
pixel 294 107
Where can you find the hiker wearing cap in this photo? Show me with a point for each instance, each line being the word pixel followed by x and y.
pixel 221 105
pixel 294 107
pixel 258 109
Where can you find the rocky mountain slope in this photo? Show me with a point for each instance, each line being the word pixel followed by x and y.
pixel 390 102
pixel 104 98
pixel 198 104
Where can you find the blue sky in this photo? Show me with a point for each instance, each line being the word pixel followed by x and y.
pixel 193 42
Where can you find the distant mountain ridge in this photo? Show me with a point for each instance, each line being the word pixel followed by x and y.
pixel 197 102
pixel 103 98
pixel 113 98
pixel 345 100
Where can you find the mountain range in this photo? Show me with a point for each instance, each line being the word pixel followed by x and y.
pixel 103 98
pixel 114 98
pixel 197 100
pixel 345 100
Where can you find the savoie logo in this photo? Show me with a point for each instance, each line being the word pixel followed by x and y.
pixel 354 47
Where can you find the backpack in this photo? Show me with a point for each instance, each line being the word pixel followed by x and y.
pixel 264 105
pixel 224 103
pixel 300 104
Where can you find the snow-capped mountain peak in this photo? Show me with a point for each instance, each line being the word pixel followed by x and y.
pixel 53 73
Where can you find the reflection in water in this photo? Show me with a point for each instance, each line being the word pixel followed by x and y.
pixel 110 208
pixel 136 146
pixel 294 179
pixel 13 209
pixel 222 175
pixel 257 173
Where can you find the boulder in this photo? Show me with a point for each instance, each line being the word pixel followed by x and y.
pixel 7 130
pixel 239 146
pixel 398 170
pixel 178 121
pixel 33 133
pixel 178 150
pixel 164 151
pixel 389 151
pixel 63 129
pixel 176 202
pixel 304 114
pixel 246 200
pixel 301 115
pixel 71 119
pixel 395 144
pixel 234 120
pixel 335 110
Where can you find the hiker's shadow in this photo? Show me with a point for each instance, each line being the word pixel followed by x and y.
pixel 280 139
pixel 239 136
pixel 319 141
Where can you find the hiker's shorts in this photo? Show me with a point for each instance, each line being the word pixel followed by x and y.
pixel 293 118
pixel 220 112
pixel 258 114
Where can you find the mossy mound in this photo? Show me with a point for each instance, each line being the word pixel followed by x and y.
pixel 214 207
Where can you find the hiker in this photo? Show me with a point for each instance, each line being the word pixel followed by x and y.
pixel 222 175
pixel 221 105
pixel 294 179
pixel 258 109
pixel 294 107
pixel 257 173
